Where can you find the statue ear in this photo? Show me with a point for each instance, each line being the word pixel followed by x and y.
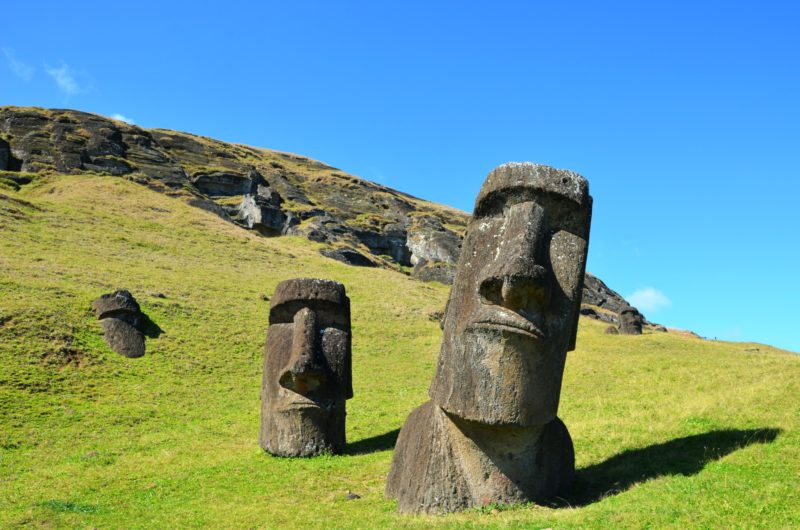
pixel 575 317
pixel 444 316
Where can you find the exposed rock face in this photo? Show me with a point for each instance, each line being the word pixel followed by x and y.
pixel 307 369
pixel 630 321
pixel 226 183
pixel 347 255
pixel 263 215
pixel 597 293
pixel 122 320
pixel 434 250
pixel 5 154
pixel 490 433
pixel 71 142
pixel 278 193
pixel 390 241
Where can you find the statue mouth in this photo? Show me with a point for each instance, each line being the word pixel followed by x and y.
pixel 297 402
pixel 510 322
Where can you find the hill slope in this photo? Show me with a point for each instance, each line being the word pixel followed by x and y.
pixel 668 430
pixel 271 192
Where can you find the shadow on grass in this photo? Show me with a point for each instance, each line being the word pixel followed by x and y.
pixel 682 456
pixel 149 328
pixel 381 442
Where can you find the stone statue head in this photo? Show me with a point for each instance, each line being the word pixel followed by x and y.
pixel 307 369
pixel 630 321
pixel 513 310
pixel 122 321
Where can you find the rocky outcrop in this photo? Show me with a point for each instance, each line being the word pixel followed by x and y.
pixel 347 255
pixel 5 154
pixel 225 183
pixel 75 142
pixel 271 192
pixel 597 293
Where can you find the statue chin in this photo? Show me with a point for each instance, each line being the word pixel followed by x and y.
pixel 304 430
pixel 499 378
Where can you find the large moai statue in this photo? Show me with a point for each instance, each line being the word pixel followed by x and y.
pixel 307 369
pixel 490 433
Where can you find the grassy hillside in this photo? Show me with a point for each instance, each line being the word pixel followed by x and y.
pixel 669 430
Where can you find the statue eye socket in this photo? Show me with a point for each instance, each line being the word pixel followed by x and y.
pixel 567 258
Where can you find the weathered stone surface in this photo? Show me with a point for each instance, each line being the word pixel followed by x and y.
pixel 490 433
pixel 225 183
pixel 71 142
pixel 123 337
pixel 630 321
pixel 347 255
pixel 5 154
pixel 121 301
pixel 611 330
pixel 122 321
pixel 597 293
pixel 434 250
pixel 261 214
pixel 277 190
pixel 434 271
pixel 589 312
pixel 307 369
pixel 389 241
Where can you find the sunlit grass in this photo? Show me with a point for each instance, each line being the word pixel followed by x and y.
pixel 668 430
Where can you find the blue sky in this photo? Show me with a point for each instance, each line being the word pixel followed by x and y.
pixel 684 116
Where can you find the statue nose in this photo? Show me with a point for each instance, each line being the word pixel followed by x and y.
pixel 516 279
pixel 519 291
pixel 304 374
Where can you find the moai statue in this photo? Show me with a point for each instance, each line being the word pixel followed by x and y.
pixel 122 321
pixel 490 433
pixel 630 321
pixel 307 369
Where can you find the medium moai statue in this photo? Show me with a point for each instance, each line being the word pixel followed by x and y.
pixel 122 321
pixel 307 369
pixel 630 321
pixel 490 433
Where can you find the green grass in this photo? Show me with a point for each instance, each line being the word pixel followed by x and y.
pixel 669 431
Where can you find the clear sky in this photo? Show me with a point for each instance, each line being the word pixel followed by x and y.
pixel 684 116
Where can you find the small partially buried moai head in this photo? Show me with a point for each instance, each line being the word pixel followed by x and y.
pixel 307 369
pixel 513 310
pixel 630 321
pixel 122 321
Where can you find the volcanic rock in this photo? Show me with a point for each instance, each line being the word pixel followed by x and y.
pixel 122 321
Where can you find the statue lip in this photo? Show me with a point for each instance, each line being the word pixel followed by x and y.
pixel 511 321
pixel 294 401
